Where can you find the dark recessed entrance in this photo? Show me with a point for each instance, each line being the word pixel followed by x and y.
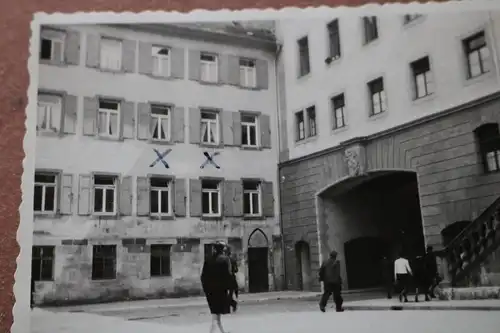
pixel 258 258
pixel 370 217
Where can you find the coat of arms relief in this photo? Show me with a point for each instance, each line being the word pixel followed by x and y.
pixel 355 159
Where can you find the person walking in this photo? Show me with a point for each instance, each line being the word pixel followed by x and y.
pixel 431 270
pixel 234 282
pixel 329 274
pixel 402 273
pixel 216 282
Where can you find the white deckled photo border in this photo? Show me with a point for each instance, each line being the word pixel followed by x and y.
pixel 21 309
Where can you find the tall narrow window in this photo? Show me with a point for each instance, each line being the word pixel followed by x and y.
pixel 45 193
pixel 49 113
pixel 251 198
pixel 108 121
pixel 248 73
pixel 209 127
pixel 300 125
pixel 105 194
pixel 111 54
pixel 377 96
pixel 208 67
pixel 488 137
pixel 334 39
pixel 477 55
pixel 160 196
pixel 370 28
pixel 311 121
pixel 161 61
pixel 338 104
pixel 422 78
pixel 248 130
pixel 160 122
pixel 160 263
pixel 210 197
pixel 304 64
pixel 103 262
pixel 42 263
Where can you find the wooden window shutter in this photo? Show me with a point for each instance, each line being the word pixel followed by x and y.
pixel 90 105
pixel 128 119
pixel 84 194
pixel 142 196
pixel 72 47
pixel 194 65
pixel 262 73
pixel 195 197
pixel 70 114
pixel 93 45
pixel 177 62
pixel 143 121
pixel 227 127
pixel 265 130
pixel 128 55
pixel 180 197
pixel 267 199
pixel 145 58
pixel 178 124
pixel 126 196
pixel 66 197
pixel 194 125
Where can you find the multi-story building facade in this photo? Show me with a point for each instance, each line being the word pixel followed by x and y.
pixel 147 137
pixel 389 137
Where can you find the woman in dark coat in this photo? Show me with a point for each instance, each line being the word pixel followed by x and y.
pixel 216 283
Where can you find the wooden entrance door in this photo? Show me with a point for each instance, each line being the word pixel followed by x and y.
pixel 258 272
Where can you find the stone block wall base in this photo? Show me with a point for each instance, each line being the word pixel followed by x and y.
pixel 449 294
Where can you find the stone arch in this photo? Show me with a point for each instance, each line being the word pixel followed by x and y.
pixel 258 239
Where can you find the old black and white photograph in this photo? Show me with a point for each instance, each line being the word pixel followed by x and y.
pixel 289 174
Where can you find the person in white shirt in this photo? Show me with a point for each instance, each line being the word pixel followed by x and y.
pixel 402 273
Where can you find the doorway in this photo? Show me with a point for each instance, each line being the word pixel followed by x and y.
pixel 258 262
pixel 303 258
pixel 258 272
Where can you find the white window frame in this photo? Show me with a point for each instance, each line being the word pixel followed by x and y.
pixel 251 196
pixel 249 125
pixel 44 186
pixel 161 120
pixel 53 39
pixel 300 127
pixel 380 96
pixel 248 74
pixel 108 113
pixel 483 55
pixel 211 193
pixel 205 67
pixel 423 77
pixel 160 191
pixel 314 124
pixel 104 188
pixel 337 109
pixel 159 60
pixel 493 161
pixel 49 108
pixel 209 123
pixel 104 61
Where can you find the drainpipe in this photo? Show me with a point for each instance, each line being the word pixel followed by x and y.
pixel 495 45
pixel 278 119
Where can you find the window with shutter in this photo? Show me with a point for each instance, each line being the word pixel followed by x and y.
pixel 249 130
pixel 160 197
pixel 211 198
pixel 49 113
pixel 210 127
pixel 248 73
pixel 252 203
pixel 209 67
pixel 161 61
pixel 160 122
pixel 110 54
pixel 105 194
pixel 108 118
pixel 52 45
pixel 45 193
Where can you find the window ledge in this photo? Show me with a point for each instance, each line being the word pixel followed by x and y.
pixel 53 63
pixel 161 217
pixel 160 277
pixel 161 142
pixel 104 216
pixel 420 100
pixel 306 140
pixel 372 42
pixel 111 71
pixel 164 78
pixel 211 145
pixel 304 77
pixel 477 79
pixel 378 116
pixel 414 22
pixel 48 133
pixel 211 218
pixel 113 280
pixel 251 148
pixel 332 61
pixel 109 138
pixel 211 83
pixel 44 215
pixel 253 217
pixel 340 129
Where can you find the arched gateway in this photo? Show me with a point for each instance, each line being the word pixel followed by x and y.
pixel 368 217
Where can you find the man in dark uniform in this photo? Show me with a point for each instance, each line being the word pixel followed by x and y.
pixel 329 274
pixel 431 270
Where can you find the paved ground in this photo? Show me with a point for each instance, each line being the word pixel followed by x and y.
pixel 287 321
